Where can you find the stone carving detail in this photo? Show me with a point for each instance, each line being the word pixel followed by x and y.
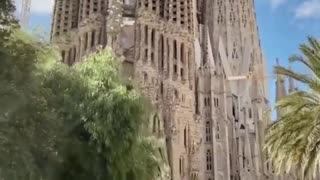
pixel 196 143
pixel 163 44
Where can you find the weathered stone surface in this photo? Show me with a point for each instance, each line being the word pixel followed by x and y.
pixel 182 53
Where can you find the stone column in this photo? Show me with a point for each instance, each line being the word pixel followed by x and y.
pixel 80 46
pixel 84 9
pixel 165 55
pixel 89 48
pixel 156 49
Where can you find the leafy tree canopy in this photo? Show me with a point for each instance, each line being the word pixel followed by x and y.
pixel 7 20
pixel 60 122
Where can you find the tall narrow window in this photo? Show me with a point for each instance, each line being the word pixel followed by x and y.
pixel 152 57
pixel 138 41
pixel 196 97
pixel 99 36
pixel 233 110
pixel 208 131
pixel 74 54
pixel 70 57
pixel 180 166
pixel 243 156
pixel 146 35
pixel 182 59
pixel 189 61
pixel 218 131
pixel 146 54
pixel 182 53
pixel 168 49
pixel 63 53
pixel 153 36
pixel 86 41
pixel 159 126
pixel 168 56
pixel 175 53
pixel 161 53
pixel 93 35
pixel 209 160
pixel 161 88
pixel 185 137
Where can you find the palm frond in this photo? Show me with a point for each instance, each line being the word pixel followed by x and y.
pixel 293 141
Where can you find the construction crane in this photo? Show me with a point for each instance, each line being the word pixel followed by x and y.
pixel 25 13
pixel 249 77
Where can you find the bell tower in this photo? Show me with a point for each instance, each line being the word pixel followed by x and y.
pixel 236 48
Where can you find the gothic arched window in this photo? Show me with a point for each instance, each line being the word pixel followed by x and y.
pixel 93 36
pixel 209 160
pixel 161 53
pixel 86 41
pixel 63 53
pixel 185 137
pixel 208 132
pixel 182 55
pixel 153 37
pixel 146 35
pixel 175 50
pixel 218 131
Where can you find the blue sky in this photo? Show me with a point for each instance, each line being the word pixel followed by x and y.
pixel 283 25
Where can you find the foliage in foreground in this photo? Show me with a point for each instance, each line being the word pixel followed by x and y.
pixel 294 140
pixel 7 19
pixel 58 122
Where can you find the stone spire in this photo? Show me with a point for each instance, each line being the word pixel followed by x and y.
pixel 292 86
pixel 234 23
pixel 280 87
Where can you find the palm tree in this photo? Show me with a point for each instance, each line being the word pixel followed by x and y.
pixel 294 140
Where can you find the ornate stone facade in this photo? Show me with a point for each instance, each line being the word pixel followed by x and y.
pixel 191 58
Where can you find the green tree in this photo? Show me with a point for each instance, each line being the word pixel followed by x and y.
pixel 27 127
pixel 59 122
pixel 7 20
pixel 294 139
pixel 110 114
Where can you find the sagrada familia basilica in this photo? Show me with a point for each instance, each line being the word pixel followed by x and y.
pixel 200 63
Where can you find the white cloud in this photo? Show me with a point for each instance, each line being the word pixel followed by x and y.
pixel 41 7
pixel 310 8
pixel 277 3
